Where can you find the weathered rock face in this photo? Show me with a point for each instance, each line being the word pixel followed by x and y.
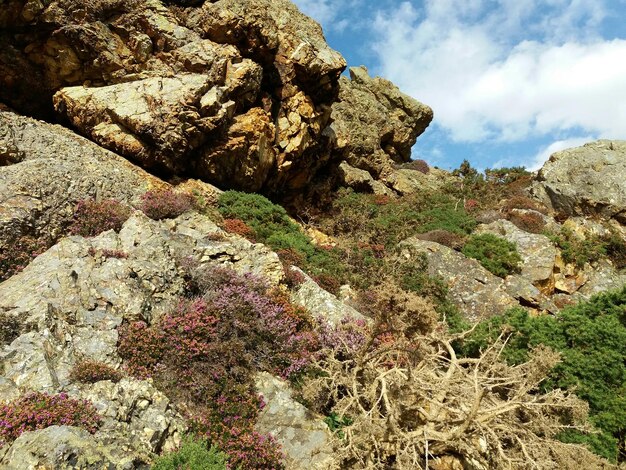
pixel 587 180
pixel 54 169
pixel 236 92
pixel 71 300
pixel 65 448
pixel 478 293
pixel 321 304
pixel 375 124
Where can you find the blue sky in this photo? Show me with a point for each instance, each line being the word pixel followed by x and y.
pixel 510 81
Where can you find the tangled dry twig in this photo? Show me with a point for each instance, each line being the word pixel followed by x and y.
pixel 414 404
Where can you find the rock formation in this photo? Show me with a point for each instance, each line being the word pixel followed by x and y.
pixel 588 180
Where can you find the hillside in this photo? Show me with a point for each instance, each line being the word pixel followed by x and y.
pixel 216 251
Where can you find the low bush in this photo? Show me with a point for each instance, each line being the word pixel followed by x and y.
pixel 193 454
pixel 165 204
pixel 39 410
pixel 17 254
pixel 577 250
pixel 531 222
pixel 497 255
pixel 591 338
pixel 88 371
pixel 238 227
pixel 93 217
pixel 417 165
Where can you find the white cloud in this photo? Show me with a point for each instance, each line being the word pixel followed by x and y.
pixel 524 68
pixel 542 156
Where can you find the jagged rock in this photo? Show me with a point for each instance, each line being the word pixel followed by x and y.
pixel 587 180
pixel 478 293
pixel 375 124
pixel 528 295
pixel 321 304
pixel 278 35
pixel 305 439
pixel 56 170
pixel 66 448
pixel 75 297
pixel 244 157
pixel 156 121
pixel 538 253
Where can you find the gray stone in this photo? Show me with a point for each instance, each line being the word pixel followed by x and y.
pixel 374 124
pixel 538 253
pixel 305 439
pixel 65 448
pixel 321 304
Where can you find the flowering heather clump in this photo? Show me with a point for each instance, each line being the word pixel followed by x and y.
pixel 229 425
pixel 16 255
pixel 39 410
pixel 238 227
pixel 165 204
pixel 347 337
pixel 91 218
pixel 93 371
pixel 204 353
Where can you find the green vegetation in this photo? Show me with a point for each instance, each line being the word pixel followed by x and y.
pixel 591 338
pixel 497 255
pixel 269 223
pixel 579 251
pixel 193 454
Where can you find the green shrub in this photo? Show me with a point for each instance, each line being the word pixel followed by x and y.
pixel 591 337
pixel 193 454
pixel 497 255
pixel 88 371
pixel 576 250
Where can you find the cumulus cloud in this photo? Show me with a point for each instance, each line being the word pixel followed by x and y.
pixel 519 69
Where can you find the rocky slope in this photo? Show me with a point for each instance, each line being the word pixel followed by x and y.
pixel 237 94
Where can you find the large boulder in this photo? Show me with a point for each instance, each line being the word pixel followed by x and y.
pixel 50 170
pixel 587 180
pixel 66 448
pixel 475 291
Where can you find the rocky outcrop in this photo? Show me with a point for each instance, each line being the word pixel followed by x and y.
pixel 587 180
pixel 476 292
pixel 375 124
pixel 65 448
pixel 70 301
pixel 235 92
pixel 305 439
